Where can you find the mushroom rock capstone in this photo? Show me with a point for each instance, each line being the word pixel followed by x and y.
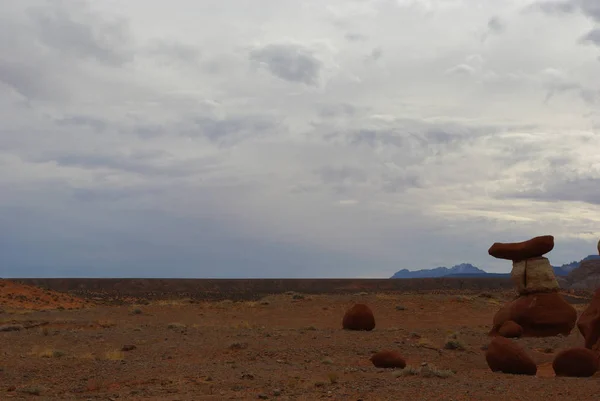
pixel 532 248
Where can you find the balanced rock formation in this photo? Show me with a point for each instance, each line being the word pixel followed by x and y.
pixel 388 359
pixel 506 356
pixel 589 323
pixel 539 310
pixel 510 329
pixel 515 251
pixel 359 317
pixel 542 314
pixel 575 362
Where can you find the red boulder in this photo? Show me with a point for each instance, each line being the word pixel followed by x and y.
pixel 539 315
pixel 589 323
pixel 516 251
pixel 388 359
pixel 575 362
pixel 504 355
pixel 359 317
pixel 510 329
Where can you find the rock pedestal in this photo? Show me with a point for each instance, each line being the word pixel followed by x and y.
pixel 539 310
pixel 534 275
pixel 542 314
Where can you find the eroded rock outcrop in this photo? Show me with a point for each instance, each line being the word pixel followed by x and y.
pixel 589 323
pixel 539 315
pixel 540 310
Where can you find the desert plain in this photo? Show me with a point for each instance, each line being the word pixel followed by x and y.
pixel 114 341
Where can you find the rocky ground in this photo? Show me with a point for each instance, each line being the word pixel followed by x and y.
pixel 283 347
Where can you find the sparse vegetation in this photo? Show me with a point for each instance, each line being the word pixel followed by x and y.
pixel 333 377
pixel 177 326
pixel 453 342
pixel 114 355
pixel 32 390
pixel 423 371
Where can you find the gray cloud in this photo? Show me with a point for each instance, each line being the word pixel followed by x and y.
pixel 72 30
pixel 130 142
pixel 593 37
pixel 590 8
pixel 496 25
pixel 291 62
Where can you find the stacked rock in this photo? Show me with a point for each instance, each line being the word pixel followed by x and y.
pixel 539 310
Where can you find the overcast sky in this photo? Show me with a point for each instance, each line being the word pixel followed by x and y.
pixel 340 138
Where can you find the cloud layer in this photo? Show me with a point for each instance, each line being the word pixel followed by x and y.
pixel 347 139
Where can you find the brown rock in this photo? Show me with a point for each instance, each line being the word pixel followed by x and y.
pixel 540 315
pixel 510 329
pixel 388 359
pixel 575 362
pixel 589 323
pixel 516 251
pixel 359 317
pixel 506 356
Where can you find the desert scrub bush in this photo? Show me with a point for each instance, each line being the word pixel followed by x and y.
pixel 453 343
pixel 333 377
pixel 114 355
pixel 32 390
pixel 52 353
pixel 136 311
pixel 176 325
pixel 407 371
pixel 105 323
pixel 432 371
pixel 423 371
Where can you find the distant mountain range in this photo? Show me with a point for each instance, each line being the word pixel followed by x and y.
pixel 468 270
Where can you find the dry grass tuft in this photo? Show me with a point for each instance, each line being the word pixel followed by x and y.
pixel 423 371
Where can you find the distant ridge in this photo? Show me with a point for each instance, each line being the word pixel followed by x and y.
pixel 462 269
pixel 468 270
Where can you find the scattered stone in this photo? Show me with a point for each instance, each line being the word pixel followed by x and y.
pixel 388 359
pixel 129 347
pixel 504 355
pixel 589 323
pixel 359 317
pixel 510 329
pixel 539 315
pixel 532 248
pixel 263 397
pixel 400 307
pixel 575 362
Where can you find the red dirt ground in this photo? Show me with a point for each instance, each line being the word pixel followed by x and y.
pixel 19 296
pixel 282 347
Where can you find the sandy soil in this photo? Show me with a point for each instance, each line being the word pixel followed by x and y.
pixel 283 347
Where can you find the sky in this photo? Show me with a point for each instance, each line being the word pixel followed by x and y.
pixel 254 139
